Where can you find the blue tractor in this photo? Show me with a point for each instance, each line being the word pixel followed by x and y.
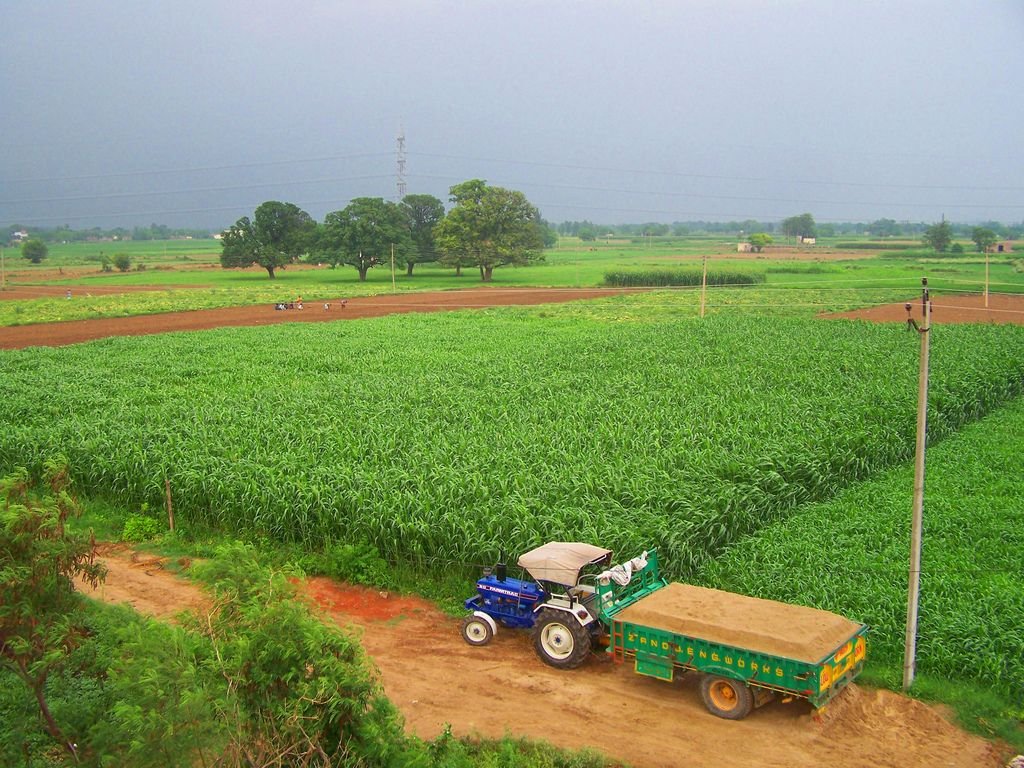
pixel 556 603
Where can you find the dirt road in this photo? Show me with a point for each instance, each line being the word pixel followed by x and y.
pixel 950 308
pixel 76 331
pixel 434 678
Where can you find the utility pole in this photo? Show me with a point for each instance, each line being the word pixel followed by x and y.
pixel 393 288
pixel 914 581
pixel 3 271
pixel 703 285
pixel 400 165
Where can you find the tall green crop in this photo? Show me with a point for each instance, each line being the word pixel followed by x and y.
pixel 852 553
pixel 454 437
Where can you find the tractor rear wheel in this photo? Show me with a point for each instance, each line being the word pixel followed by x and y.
pixel 726 698
pixel 559 639
pixel 476 631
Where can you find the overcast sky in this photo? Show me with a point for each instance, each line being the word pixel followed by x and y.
pixel 193 112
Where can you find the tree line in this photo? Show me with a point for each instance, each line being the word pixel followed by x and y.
pixel 882 228
pixel 486 227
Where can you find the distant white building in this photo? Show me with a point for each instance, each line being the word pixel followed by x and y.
pixel 807 240
pixel 17 237
pixel 744 248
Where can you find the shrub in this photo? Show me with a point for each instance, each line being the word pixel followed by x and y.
pixel 140 528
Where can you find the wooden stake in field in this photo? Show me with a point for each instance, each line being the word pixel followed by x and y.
pixel 986 278
pixel 914 582
pixel 170 509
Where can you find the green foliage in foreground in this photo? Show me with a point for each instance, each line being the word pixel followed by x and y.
pixel 259 681
pixel 659 278
pixel 410 434
pixel 851 555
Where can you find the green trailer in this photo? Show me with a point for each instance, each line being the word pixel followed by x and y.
pixel 749 650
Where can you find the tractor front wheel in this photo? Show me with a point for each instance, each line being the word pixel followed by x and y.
pixel 726 698
pixel 476 631
pixel 559 639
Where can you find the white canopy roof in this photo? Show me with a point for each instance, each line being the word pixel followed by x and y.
pixel 559 562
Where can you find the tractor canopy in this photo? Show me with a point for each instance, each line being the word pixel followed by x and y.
pixel 560 562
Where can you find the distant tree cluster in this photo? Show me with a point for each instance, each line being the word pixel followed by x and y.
pixel 880 228
pixel 799 226
pixel 487 227
pixel 938 236
pixel 64 234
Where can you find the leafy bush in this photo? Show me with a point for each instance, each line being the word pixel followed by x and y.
pixel 354 563
pixel 140 528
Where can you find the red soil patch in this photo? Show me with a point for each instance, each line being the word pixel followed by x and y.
pixel 1002 309
pixel 362 602
pixel 76 331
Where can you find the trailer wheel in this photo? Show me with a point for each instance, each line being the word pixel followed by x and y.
pixel 559 639
pixel 726 698
pixel 476 631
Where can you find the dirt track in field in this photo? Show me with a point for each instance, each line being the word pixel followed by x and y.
pixel 76 331
pixel 435 679
pixel 952 308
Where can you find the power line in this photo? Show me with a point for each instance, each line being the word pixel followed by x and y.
pixel 743 198
pixel 166 171
pixel 194 190
pixel 703 176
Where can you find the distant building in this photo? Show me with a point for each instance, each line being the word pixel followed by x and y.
pixel 744 248
pixel 807 240
pixel 19 236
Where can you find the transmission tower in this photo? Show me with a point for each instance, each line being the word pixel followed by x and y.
pixel 400 164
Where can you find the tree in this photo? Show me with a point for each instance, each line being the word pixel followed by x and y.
pixel 587 235
pixel 884 228
pixel 759 240
pixel 34 250
pixel 548 234
pixel 123 262
pixel 938 236
pixel 424 213
pixel 277 235
pixel 364 233
pixel 984 238
pixel 488 227
pixel 799 226
pixel 40 612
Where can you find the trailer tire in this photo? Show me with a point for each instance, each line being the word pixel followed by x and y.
pixel 725 697
pixel 560 640
pixel 476 631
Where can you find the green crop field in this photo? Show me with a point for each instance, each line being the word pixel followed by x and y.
pixel 461 435
pixel 852 554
